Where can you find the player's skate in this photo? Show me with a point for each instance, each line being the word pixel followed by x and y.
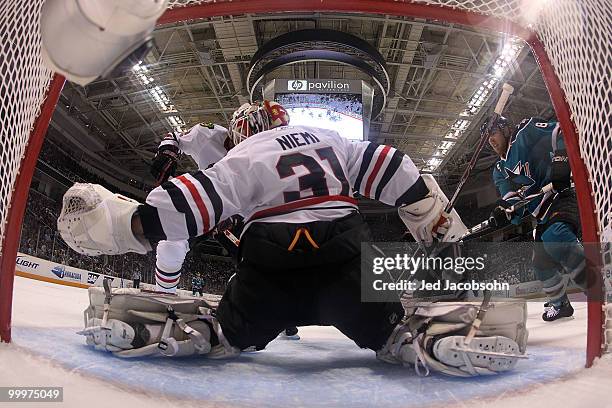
pixel 433 339
pixel 554 311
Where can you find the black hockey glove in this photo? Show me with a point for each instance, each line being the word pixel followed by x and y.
pixel 560 172
pixel 500 218
pixel 165 161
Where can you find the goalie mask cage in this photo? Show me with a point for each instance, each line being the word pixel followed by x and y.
pixel 570 39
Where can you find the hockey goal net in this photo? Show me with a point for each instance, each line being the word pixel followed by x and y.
pixel 571 40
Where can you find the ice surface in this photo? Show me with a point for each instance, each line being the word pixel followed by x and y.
pixel 323 369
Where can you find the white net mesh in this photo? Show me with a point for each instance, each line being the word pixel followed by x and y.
pixel 23 86
pixel 577 36
pixel 578 40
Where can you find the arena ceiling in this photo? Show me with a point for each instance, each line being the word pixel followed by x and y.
pixel 199 69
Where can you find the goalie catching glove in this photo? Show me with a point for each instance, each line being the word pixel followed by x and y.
pixel 426 219
pixel 95 221
pixel 432 338
pixel 129 323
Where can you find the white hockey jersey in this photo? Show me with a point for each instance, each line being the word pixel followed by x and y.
pixel 291 174
pixel 204 143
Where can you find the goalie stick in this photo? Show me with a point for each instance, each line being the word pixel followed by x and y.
pixel 507 90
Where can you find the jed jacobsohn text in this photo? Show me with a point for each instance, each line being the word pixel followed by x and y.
pixel 406 285
pixel 403 262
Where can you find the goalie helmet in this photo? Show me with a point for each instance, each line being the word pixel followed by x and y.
pixel 253 118
pixel 500 123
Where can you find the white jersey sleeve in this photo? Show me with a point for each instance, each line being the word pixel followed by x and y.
pixel 204 143
pixel 291 174
pixel 193 203
pixel 383 173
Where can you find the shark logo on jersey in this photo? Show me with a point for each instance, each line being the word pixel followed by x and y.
pixel 520 175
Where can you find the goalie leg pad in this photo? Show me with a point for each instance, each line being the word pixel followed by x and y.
pixel 140 324
pixel 433 339
pixel 485 355
pixel 422 218
pixel 94 221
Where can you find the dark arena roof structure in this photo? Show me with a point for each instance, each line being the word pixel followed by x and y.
pixel 439 79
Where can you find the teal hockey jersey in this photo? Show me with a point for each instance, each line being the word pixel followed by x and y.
pixel 526 168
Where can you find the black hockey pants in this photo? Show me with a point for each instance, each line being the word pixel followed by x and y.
pixel 287 277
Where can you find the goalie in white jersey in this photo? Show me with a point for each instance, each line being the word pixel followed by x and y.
pixel 300 250
pixel 206 143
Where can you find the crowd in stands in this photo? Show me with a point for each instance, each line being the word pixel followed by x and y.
pixel 474 216
pixel 347 104
pixel 62 162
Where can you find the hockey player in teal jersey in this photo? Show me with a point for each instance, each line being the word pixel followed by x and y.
pixel 533 155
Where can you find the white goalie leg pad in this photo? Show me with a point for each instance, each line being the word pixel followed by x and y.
pixel 153 324
pixel 113 336
pixel 139 340
pixel 482 356
pixel 94 221
pixel 433 339
pixel 421 217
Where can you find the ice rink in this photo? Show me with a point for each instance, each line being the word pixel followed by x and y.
pixel 324 369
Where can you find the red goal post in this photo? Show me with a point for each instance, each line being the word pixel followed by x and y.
pixel 571 41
